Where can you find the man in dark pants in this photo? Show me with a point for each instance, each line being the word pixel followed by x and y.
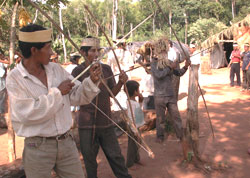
pixel 245 56
pixel 95 129
pixel 165 98
pixel 235 65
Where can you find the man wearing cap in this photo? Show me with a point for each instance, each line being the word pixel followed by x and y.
pixel 245 56
pixel 195 57
pixel 40 94
pixel 235 65
pixel 247 68
pixel 95 128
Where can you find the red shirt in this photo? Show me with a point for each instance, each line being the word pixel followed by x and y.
pixel 235 56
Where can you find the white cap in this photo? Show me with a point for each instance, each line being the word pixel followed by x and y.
pixel 235 44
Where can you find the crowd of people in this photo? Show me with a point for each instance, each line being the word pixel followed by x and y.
pixel 42 93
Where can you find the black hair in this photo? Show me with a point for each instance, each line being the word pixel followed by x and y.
pixel 120 44
pixel 86 48
pixel 25 47
pixel 170 43
pixel 74 58
pixel 132 87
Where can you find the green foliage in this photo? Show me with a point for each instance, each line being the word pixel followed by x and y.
pixel 204 17
pixel 203 28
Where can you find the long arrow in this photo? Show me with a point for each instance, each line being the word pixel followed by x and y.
pixel 150 153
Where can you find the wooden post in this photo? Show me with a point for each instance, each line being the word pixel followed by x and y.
pixel 192 124
pixel 11 134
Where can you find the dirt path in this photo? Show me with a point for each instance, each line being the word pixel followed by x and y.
pixel 229 109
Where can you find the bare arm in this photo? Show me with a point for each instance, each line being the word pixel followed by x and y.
pixel 122 80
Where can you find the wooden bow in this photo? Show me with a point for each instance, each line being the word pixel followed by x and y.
pixel 131 124
pixel 187 58
pixel 147 149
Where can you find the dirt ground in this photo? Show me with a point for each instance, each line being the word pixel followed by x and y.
pixel 229 111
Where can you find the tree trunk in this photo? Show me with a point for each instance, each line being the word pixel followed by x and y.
pixel 87 22
pixel 63 41
pixel 170 22
pixel 192 124
pixel 131 28
pixel 154 23
pixel 11 134
pixel 114 25
pixel 97 30
pixel 34 21
pixel 186 26
pixel 122 26
pixel 233 8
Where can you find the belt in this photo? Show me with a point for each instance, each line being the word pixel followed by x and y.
pixel 235 62
pixel 60 137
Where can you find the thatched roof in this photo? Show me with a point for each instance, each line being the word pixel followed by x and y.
pixel 228 33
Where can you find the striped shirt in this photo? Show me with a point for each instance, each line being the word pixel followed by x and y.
pixel 40 111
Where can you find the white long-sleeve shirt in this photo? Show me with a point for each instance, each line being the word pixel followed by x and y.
pixel 40 111
pixel 125 59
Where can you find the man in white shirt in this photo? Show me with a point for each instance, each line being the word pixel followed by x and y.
pixel 126 61
pixel 3 67
pixel 40 94
pixel 195 57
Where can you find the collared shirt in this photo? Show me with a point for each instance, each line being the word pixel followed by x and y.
pixel 235 56
pixel 89 115
pixel 70 68
pixel 40 111
pixel 246 56
pixel 125 60
pixel 172 56
pixel 195 58
pixel 147 85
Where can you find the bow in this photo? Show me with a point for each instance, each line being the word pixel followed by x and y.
pixel 187 58
pixel 128 121
pixel 147 149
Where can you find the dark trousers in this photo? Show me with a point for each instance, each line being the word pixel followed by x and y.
pixel 235 69
pixel 248 79
pixel 107 139
pixel 148 103
pixel 161 103
pixel 133 155
pixel 244 79
pixel 3 96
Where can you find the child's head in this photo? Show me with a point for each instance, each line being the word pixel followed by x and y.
pixel 133 87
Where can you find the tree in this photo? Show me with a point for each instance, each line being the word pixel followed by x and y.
pixel 204 28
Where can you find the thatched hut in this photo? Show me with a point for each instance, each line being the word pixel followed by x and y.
pixel 221 44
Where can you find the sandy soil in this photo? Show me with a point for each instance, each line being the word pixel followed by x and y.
pixel 229 110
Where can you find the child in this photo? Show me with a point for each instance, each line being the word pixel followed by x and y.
pixel 133 149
